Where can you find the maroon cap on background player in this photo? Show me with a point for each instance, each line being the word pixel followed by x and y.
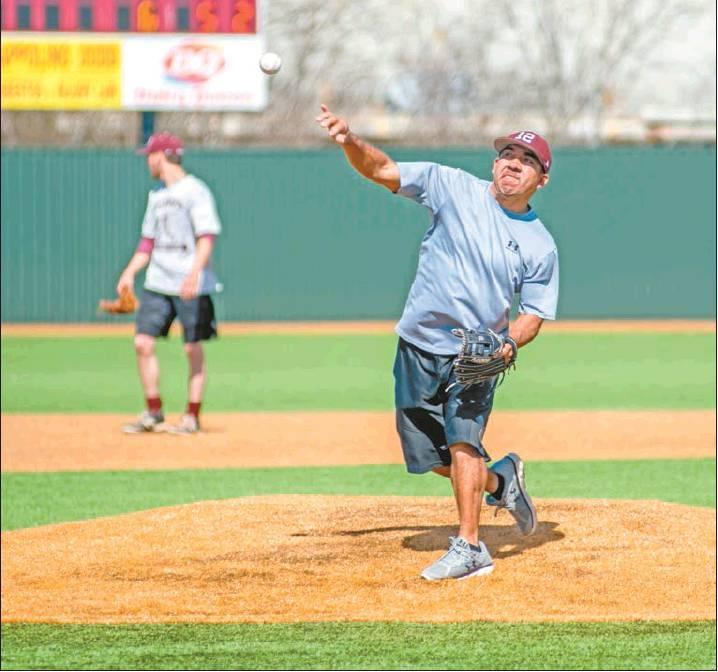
pixel 530 140
pixel 162 142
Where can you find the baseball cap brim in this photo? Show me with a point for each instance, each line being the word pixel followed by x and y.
pixel 502 143
pixel 167 151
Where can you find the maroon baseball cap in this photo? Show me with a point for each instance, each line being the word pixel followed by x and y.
pixel 530 140
pixel 162 142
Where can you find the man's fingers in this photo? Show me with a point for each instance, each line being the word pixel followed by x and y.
pixel 337 127
pixel 324 112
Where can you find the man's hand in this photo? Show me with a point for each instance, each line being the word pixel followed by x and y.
pixel 337 128
pixel 190 286
pixel 126 282
pixel 507 352
pixel 366 159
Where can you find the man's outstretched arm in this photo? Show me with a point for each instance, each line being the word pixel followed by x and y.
pixel 366 159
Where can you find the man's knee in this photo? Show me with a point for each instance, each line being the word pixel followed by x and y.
pixel 463 451
pixel 144 345
pixel 466 454
pixel 193 350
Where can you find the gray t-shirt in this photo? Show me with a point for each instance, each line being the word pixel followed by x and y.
pixel 474 257
pixel 175 217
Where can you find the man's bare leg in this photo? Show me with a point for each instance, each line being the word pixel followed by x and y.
pixel 492 481
pixel 197 371
pixel 148 365
pixel 468 479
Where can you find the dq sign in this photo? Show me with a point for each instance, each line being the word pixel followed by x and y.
pixel 193 73
pixel 193 63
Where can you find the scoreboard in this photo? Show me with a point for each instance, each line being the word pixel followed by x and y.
pixel 131 16
pixel 147 55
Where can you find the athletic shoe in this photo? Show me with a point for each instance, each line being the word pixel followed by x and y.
pixel 188 424
pixel 146 422
pixel 460 562
pixel 514 496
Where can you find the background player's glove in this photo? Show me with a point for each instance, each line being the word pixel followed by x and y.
pixel 126 303
pixel 480 357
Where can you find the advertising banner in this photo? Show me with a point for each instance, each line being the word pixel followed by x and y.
pixel 193 73
pixel 60 73
pixel 189 72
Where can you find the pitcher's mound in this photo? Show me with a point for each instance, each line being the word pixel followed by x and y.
pixel 317 558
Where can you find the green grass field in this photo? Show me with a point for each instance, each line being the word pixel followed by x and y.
pixel 559 371
pixel 280 373
pixel 39 499
pixel 371 646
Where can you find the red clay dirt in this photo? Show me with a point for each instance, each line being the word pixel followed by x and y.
pixel 321 558
pixel 94 442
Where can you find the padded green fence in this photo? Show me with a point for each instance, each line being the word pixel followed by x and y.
pixel 306 238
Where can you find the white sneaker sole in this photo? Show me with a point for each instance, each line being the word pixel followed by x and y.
pixel 481 571
pixel 157 429
pixel 182 432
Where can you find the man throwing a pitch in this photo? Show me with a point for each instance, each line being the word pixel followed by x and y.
pixel 484 244
pixel 178 235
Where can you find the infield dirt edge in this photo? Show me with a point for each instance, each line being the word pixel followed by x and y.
pixel 49 442
pixel 114 328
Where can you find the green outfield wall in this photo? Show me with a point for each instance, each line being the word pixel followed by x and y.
pixel 306 238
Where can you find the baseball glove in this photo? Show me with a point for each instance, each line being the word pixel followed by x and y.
pixel 126 303
pixel 480 357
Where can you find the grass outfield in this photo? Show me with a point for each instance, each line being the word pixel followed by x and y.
pixel 41 498
pixel 250 373
pixel 393 646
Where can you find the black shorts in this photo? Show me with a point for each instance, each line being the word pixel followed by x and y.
pixel 158 311
pixel 428 418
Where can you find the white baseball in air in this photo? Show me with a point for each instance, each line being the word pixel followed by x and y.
pixel 270 63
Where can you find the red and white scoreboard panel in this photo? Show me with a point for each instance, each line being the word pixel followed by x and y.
pixel 133 16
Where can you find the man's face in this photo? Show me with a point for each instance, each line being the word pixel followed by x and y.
pixel 154 164
pixel 517 172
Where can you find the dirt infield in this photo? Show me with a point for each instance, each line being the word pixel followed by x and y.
pixel 319 558
pixel 94 442
pixel 112 328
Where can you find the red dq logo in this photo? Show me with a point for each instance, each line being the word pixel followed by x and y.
pixel 193 63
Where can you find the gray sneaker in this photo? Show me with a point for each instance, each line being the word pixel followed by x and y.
pixel 514 497
pixel 188 424
pixel 146 422
pixel 460 562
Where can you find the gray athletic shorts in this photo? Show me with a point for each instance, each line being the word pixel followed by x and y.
pixel 158 311
pixel 428 418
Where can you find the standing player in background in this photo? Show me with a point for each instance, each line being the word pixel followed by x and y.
pixel 178 235
pixel 484 245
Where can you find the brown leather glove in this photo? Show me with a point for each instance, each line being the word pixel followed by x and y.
pixel 126 303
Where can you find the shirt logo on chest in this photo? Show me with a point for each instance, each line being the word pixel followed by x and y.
pixel 513 246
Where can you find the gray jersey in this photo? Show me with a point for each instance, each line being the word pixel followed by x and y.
pixel 474 257
pixel 176 216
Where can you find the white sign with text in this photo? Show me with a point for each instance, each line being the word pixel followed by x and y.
pixel 193 72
